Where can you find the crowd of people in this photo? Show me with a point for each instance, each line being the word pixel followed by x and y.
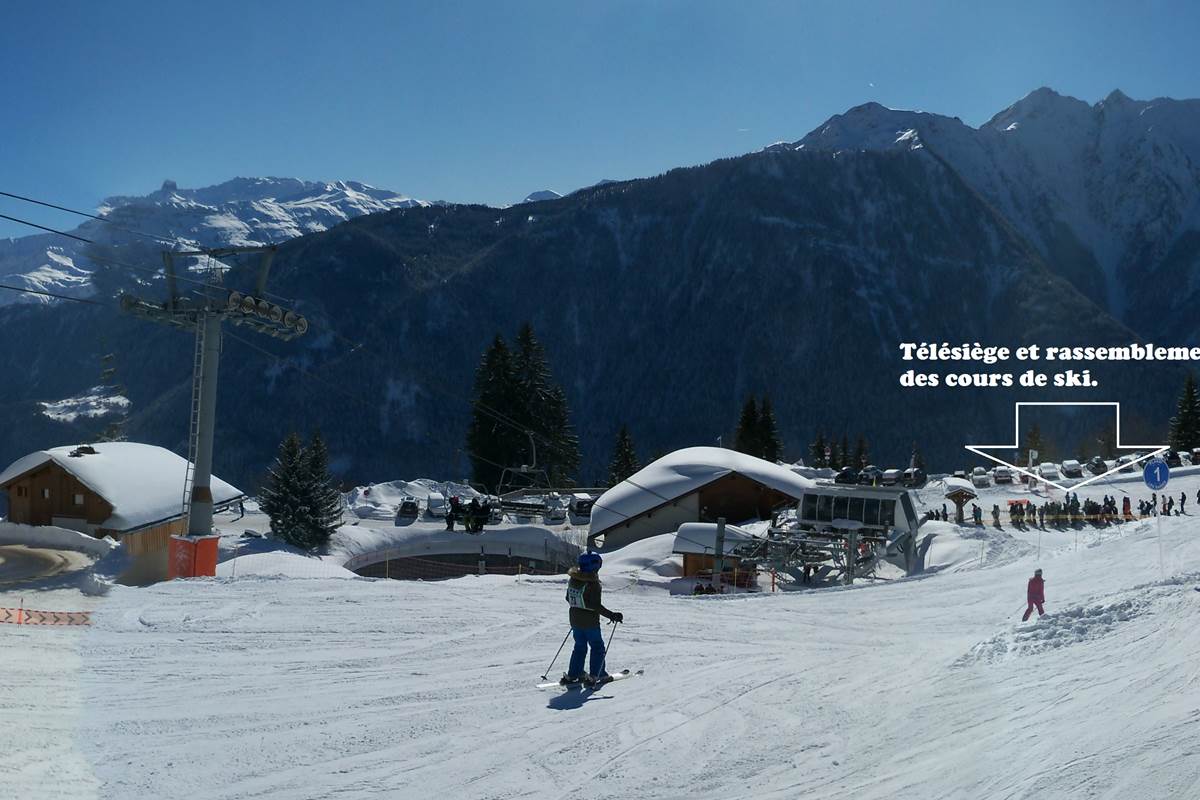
pixel 1071 511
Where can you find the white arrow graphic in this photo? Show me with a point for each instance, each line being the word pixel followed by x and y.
pixel 978 449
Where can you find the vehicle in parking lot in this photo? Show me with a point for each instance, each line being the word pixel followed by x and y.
pixel 1048 470
pixel 1002 475
pixel 846 475
pixel 1097 465
pixel 914 478
pixel 1072 469
pixel 1126 463
pixel 408 509
pixel 870 475
pixel 891 477
pixel 1172 459
pixel 979 477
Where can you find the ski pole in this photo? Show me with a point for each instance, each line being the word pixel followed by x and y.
pixel 560 648
pixel 604 658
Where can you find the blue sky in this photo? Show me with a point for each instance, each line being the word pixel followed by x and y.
pixel 485 102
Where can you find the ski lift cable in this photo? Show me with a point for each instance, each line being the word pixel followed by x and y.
pixel 175 240
pixel 487 410
pixel 112 261
pixel 340 389
pixel 97 217
pixel 51 294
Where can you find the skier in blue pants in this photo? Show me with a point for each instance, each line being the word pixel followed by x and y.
pixel 583 595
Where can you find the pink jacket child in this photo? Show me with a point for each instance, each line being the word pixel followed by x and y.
pixel 1035 594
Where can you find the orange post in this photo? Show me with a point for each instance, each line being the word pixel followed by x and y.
pixel 192 557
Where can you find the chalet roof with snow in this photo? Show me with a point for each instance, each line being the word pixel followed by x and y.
pixel 142 483
pixel 682 472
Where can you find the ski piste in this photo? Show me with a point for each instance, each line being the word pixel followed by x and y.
pixel 615 676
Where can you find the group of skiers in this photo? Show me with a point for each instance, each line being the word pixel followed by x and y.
pixel 1167 507
pixel 472 515
pixel 1070 510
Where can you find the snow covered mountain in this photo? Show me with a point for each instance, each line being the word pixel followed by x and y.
pixel 1108 194
pixel 541 194
pixel 242 211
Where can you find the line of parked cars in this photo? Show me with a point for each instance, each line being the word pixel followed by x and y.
pixel 1072 469
pixel 871 475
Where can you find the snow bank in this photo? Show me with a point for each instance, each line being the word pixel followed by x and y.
pixel 652 556
pixel 354 546
pixel 54 538
pixel 281 564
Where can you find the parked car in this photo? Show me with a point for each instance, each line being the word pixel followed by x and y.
pixel 1097 465
pixel 870 475
pixel 960 473
pixel 891 477
pixel 846 475
pixel 408 508
pixel 1002 475
pixel 581 504
pixel 435 505
pixel 1048 471
pixel 1196 455
pixel 1126 463
pixel 914 478
pixel 979 478
pixel 1186 458
pixel 1072 469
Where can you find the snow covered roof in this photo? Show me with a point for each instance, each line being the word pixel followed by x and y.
pixel 700 538
pixel 954 485
pixel 682 472
pixel 143 483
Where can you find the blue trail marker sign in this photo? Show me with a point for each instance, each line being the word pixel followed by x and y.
pixel 1156 474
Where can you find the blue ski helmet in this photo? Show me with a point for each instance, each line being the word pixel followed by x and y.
pixel 590 562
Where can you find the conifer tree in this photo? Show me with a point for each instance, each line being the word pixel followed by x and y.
pixel 816 451
pixel 746 438
pixel 301 498
pixel 492 441
pixel 624 461
pixel 542 406
pixel 916 461
pixel 768 432
pixel 861 455
pixel 324 499
pixel 1033 441
pixel 1185 425
pixel 844 453
pixel 282 499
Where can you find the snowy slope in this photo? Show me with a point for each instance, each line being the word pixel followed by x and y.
pixel 242 211
pixel 926 687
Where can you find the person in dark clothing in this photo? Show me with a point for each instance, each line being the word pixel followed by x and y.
pixel 1035 595
pixel 474 516
pixel 584 597
pixel 1182 502
pixel 454 512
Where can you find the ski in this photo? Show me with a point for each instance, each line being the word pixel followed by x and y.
pixel 616 676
